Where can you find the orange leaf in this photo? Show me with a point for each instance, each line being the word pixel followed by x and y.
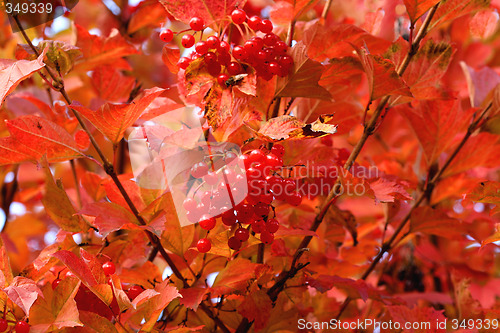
pixel 111 84
pixel 417 8
pixel 451 9
pixel 290 128
pixel 170 56
pixel 113 120
pixel 484 24
pixel 403 314
pixel 23 292
pixel 435 222
pixel 192 297
pixel 150 13
pixel 235 277
pixel 256 307
pixel 480 83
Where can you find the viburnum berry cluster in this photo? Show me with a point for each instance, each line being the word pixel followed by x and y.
pixel 263 52
pixel 19 326
pixel 243 201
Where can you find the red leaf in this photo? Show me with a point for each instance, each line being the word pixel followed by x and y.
pixel 33 137
pixel 192 297
pixel 256 307
pixel 111 84
pixel 23 292
pixel 113 120
pixel 388 191
pixel 354 288
pixel 484 24
pixel 13 72
pixel 340 37
pixel 451 9
pixel 282 12
pixel 403 314
pixel 108 216
pixel 382 77
pixel 234 277
pixel 96 323
pixel 5 269
pixel 208 10
pixel 435 222
pixel 77 266
pixel 170 56
pixel 150 13
pixel 480 83
pixel 303 80
pixel 99 50
pixel 417 8
pixel 486 192
pixel 290 128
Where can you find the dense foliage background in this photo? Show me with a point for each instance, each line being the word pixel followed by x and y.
pixel 389 118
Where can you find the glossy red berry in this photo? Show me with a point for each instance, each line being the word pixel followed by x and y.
pixel 294 198
pixel 228 217
pixel 207 222
pixel 281 47
pixel 242 234
pixel 266 26
pixel 224 46
pixel 234 68
pixel 187 40
pixel 201 47
pixel 22 327
pixel 189 204
pixel 55 283
pixel 286 61
pixel 109 268
pixel 224 58
pixel 214 68
pixel 238 16
pixel 234 243
pixel 183 62
pixel 274 68
pixel 221 79
pixel 134 291
pixel 166 35
pixel 272 225
pixel 270 39
pixel 211 178
pixel 254 22
pixel 266 237
pixel 3 325
pixel 204 245
pixel 213 42
pixel 278 150
pixel 199 170
pixel 240 53
pixel 210 57
pixel 196 23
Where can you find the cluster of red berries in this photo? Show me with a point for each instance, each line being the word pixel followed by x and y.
pixel 243 201
pixel 267 54
pixel 20 327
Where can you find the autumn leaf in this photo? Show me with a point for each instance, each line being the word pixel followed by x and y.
pixel 108 216
pixel 451 9
pixel 484 24
pixel 13 72
pixel 435 222
pixel 285 11
pixel 256 307
pixel 5 269
pixel 95 323
pixel 417 8
pixel 209 11
pixel 114 119
pixel 170 56
pixel 403 314
pixel 111 84
pixel 486 192
pixel 480 83
pixel 290 128
pixel 193 296
pixel 32 138
pixel 235 277
pixel 23 292
pixel 304 77
pixel 353 288
pixel 385 190
pixel 57 309
pixel 149 13
pixel 61 56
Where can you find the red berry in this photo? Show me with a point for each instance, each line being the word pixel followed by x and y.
pixel 228 217
pixel 285 61
pixel 256 156
pixel 261 209
pixel 210 58
pixel 224 47
pixel 251 46
pixel 270 39
pixel 234 243
pixel 261 56
pixel 214 68
pixel 244 213
pixel 55 283
pixel 207 222
pixel 199 170
pixel 3 324
pixel 278 150
pixel 240 53
pixel 189 204
pixel 201 47
pixel 196 23
pixel 204 245
pixel 22 327
pixel 259 42
pixel 238 16
pixel 272 225
pixel 213 42
pixel 242 234
pixel 266 237
pixel 266 26
pixel 294 198
pixel 221 79
pixel 254 22
pixel 211 178
pixel 234 68
pixel 258 226
pixel 166 35
pixel 134 291
pixel 274 68
pixel 224 58
pixel 187 40
pixel 109 268
pixel 281 47
pixel 273 161
pixel 183 62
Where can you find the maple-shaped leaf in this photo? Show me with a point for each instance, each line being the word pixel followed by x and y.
pixel 170 55
pixel 58 206
pixel 57 309
pixel 176 238
pixel 417 8
pixel 32 137
pixel 13 72
pixel 382 77
pixel 282 12
pixel 436 124
pixel 193 296
pixel 208 10
pixel 114 119
pixel 235 277
pixel 480 83
pixel 99 50
pixel 111 84
pixel 93 323
pixel 149 13
pixel 290 128
pixel 486 192
pixel 385 190
pixel 340 39
pixel 435 222
pixel 303 78
pixel 23 292
pixel 342 77
pixel 256 306
pixel 423 74
pixel 403 314
pixel 451 9
pixel 353 288
pixel 109 216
